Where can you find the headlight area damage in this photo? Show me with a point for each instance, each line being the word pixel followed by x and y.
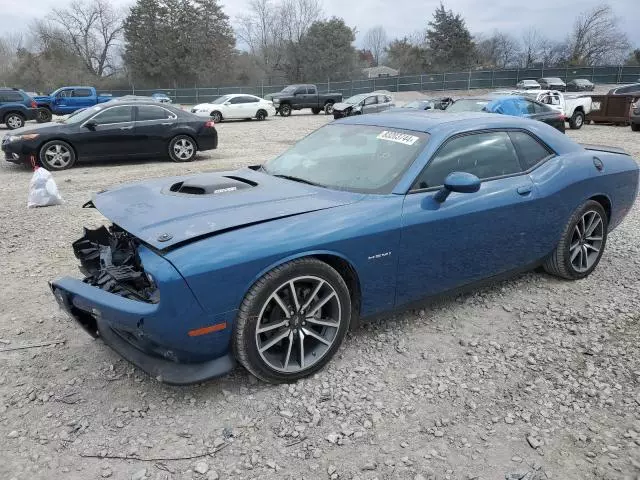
pixel 109 260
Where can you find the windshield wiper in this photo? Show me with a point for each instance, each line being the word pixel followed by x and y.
pixel 298 179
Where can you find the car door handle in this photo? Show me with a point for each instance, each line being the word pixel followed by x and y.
pixel 167 123
pixel 524 189
pixel 126 128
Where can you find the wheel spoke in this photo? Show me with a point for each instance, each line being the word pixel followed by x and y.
pixel 294 296
pixel 574 246
pixel 286 359
pixel 594 224
pixel 279 301
pixel 591 220
pixel 301 335
pixel 273 341
pixel 321 304
pixel 575 253
pixel 588 246
pixel 313 295
pixel 313 334
pixel 585 257
pixel 324 323
pixel 594 239
pixel 268 328
pixel 582 223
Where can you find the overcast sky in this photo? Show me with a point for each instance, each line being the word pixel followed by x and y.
pixel 403 17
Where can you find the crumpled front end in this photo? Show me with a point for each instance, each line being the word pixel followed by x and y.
pixel 139 304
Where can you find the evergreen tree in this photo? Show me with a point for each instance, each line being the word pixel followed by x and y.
pixel 449 41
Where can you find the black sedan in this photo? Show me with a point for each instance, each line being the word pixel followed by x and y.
pixel 113 130
pixel 516 106
pixel 580 85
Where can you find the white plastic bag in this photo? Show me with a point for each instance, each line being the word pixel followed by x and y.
pixel 43 190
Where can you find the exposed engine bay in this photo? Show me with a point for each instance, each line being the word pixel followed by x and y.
pixel 109 260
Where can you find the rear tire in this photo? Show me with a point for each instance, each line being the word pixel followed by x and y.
pixel 635 127
pixel 328 108
pixel 57 155
pixel 44 115
pixel 320 332
pixel 577 120
pixel 216 116
pixel 316 111
pixel 14 120
pixel 182 148
pixel 576 257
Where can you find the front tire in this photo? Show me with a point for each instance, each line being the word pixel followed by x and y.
pixel 57 155
pixel 216 116
pixel 328 108
pixel 261 115
pixel 14 120
pixel 292 321
pixel 582 243
pixel 576 121
pixel 316 111
pixel 635 127
pixel 285 110
pixel 182 148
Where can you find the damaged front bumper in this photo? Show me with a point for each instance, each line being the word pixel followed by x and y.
pixel 120 301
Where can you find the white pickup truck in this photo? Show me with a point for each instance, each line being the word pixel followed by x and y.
pixel 574 107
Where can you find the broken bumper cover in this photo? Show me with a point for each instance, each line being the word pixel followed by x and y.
pixel 154 332
pixel 116 319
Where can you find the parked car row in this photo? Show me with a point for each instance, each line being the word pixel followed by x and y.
pixel 556 83
pixel 119 128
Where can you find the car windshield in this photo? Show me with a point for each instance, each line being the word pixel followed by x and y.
pixel 221 100
pixel 356 99
pixel 357 158
pixel 82 115
pixel 419 104
pixel 468 105
pixel 529 82
pixel 289 89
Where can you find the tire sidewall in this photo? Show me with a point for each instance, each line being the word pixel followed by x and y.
pixel 52 168
pixel 216 117
pixel 577 121
pixel 173 142
pixel 258 295
pixel 328 108
pixel 590 205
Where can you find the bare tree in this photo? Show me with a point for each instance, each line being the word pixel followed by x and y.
pixel 553 53
pixel 10 44
pixel 597 38
pixel 376 41
pixel 273 32
pixel 499 50
pixel 89 28
pixel 532 42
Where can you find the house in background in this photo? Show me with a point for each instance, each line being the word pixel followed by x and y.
pixel 378 72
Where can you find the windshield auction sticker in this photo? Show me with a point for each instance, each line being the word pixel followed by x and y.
pixel 398 137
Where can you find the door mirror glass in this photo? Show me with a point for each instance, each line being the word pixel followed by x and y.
pixel 460 182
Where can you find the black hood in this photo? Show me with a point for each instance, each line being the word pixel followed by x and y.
pixel 42 128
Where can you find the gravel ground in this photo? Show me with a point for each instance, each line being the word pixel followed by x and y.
pixel 531 379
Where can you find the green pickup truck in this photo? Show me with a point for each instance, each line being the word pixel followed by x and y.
pixel 297 97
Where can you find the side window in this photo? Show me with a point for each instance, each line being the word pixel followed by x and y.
pixel 236 100
pixel 249 99
pixel 114 115
pixel 312 90
pixel 486 155
pixel 540 108
pixel 301 90
pixel 383 99
pixel 150 112
pixel 371 100
pixel 529 150
pixel 81 92
pixel 64 94
pixel 11 96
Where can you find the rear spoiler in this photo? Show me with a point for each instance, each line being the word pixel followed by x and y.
pixel 604 148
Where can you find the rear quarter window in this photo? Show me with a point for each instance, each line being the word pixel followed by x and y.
pixel 530 151
pixel 11 96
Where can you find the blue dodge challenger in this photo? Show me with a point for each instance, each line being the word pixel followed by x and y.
pixel 270 265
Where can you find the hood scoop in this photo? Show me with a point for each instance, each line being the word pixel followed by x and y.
pixel 209 185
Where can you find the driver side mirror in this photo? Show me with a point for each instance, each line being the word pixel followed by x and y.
pixel 91 124
pixel 226 104
pixel 460 182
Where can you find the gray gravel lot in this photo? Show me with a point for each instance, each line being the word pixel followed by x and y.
pixel 533 378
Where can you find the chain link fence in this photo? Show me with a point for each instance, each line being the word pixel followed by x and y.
pixel 474 79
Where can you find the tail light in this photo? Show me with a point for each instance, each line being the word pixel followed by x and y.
pixel 34 104
pixel 209 124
